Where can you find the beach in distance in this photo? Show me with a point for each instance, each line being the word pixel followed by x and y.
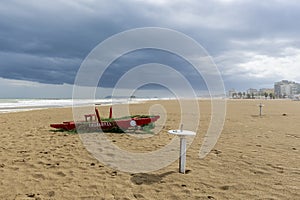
pixel 256 157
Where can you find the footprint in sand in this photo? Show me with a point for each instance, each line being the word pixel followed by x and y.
pixel 138 196
pixel 61 174
pixel 39 176
pixel 224 187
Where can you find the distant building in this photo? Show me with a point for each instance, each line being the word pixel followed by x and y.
pixel 252 91
pixel 232 93
pixel 286 89
pixel 296 97
pixel 262 91
pixel 295 89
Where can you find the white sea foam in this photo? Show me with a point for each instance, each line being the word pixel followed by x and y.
pixel 17 105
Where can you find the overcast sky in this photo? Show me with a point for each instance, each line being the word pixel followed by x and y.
pixel 42 43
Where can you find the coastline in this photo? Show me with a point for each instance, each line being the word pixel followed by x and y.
pixel 20 105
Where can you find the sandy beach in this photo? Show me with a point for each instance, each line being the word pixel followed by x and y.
pixel 255 157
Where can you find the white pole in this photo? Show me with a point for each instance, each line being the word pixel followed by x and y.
pixel 182 155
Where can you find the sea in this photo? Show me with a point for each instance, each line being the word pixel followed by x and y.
pixel 19 105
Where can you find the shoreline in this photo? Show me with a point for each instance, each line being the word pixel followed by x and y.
pixel 97 102
pixel 70 103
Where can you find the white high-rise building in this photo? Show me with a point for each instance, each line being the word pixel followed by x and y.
pixel 286 89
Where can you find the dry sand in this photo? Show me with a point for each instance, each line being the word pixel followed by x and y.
pixel 255 157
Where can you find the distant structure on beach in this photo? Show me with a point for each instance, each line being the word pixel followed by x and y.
pixel 282 90
pixel 286 89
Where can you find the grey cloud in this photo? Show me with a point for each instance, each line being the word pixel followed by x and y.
pixel 45 41
pixel 133 59
pixel 36 68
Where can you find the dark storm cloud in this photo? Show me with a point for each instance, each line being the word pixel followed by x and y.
pixel 53 70
pixel 46 41
pixel 137 58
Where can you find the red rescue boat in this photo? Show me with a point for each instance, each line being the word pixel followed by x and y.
pixel 93 122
